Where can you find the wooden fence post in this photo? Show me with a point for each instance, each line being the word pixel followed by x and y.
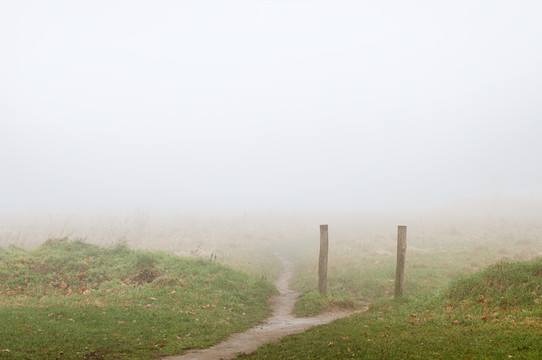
pixel 322 263
pixel 400 267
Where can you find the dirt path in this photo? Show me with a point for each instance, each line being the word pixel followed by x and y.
pixel 280 324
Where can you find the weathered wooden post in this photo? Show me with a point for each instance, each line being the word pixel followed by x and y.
pixel 400 267
pixel 322 263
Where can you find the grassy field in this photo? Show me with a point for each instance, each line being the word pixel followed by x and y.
pixel 71 299
pixel 462 301
pixel 492 314
pixel 371 277
pixel 74 300
pixel 363 271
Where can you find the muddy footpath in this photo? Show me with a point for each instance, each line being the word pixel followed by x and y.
pixel 281 323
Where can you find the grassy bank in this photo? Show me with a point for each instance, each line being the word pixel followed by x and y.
pixel 74 300
pixel 491 314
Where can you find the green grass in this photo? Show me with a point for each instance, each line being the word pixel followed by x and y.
pixel 357 275
pixel 492 314
pixel 311 303
pixel 76 300
pixel 505 284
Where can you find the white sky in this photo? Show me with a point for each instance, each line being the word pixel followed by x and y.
pixel 282 105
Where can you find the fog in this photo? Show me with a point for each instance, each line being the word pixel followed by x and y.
pixel 244 107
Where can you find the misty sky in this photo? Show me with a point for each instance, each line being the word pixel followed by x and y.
pixel 267 105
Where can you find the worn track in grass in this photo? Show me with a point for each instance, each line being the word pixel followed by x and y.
pixel 281 323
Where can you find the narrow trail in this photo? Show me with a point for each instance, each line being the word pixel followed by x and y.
pixel 281 323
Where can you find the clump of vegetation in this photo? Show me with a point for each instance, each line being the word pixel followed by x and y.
pixel 310 303
pixel 506 283
pixel 77 300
